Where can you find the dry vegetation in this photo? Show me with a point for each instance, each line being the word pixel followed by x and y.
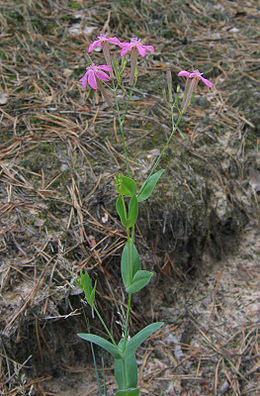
pixel 59 150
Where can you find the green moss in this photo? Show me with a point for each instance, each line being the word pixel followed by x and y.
pixel 74 5
pixel 41 157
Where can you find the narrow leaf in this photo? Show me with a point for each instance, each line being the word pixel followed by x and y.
pixel 92 295
pixel 132 211
pixel 140 280
pixel 128 271
pixel 120 208
pixel 87 284
pixel 108 346
pixel 140 337
pixel 148 186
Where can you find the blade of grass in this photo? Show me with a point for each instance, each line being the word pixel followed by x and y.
pixel 94 358
pixel 104 378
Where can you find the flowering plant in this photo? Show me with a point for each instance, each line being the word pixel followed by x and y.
pixel 134 278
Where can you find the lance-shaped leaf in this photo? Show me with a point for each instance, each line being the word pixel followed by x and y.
pixel 108 346
pixel 132 212
pixel 85 284
pixel 120 208
pixel 139 281
pixel 148 186
pixel 140 337
pixel 129 268
pixel 92 295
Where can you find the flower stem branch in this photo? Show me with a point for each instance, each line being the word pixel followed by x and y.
pixel 105 326
pixel 174 127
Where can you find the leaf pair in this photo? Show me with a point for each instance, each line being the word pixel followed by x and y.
pixel 128 220
pixel 126 369
pixel 125 362
pixel 126 187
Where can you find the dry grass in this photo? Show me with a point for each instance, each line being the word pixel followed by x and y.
pixel 59 149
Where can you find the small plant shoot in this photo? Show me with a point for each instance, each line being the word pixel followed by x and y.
pixel 108 78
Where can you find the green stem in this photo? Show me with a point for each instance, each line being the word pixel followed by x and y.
pixel 127 321
pixel 93 356
pixel 174 127
pixel 128 100
pixel 120 122
pixel 124 374
pixel 120 119
pixel 105 326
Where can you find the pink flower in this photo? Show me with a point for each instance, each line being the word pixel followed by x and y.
pixel 103 42
pixel 191 83
pixel 94 74
pixel 196 75
pixel 135 43
pixel 102 39
pixel 134 47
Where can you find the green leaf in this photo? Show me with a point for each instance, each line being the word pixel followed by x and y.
pixel 84 283
pixel 87 286
pixel 117 181
pixel 148 186
pixel 120 208
pixel 128 186
pixel 128 392
pixel 140 280
pixel 123 63
pixel 108 346
pixel 132 211
pixel 92 295
pixel 126 372
pixel 115 65
pixel 140 337
pixel 128 271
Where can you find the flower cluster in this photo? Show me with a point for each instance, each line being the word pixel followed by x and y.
pixel 196 75
pixel 191 83
pixel 96 74
pixel 129 196
pixel 102 41
pixel 134 47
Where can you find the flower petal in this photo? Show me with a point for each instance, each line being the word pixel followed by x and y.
pixel 105 67
pixel 149 48
pixel 83 81
pixel 195 73
pixel 124 51
pixel 114 40
pixel 102 75
pixel 184 73
pixel 207 82
pixel 96 43
pixel 125 44
pixel 141 49
pixel 92 79
pixel 91 47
